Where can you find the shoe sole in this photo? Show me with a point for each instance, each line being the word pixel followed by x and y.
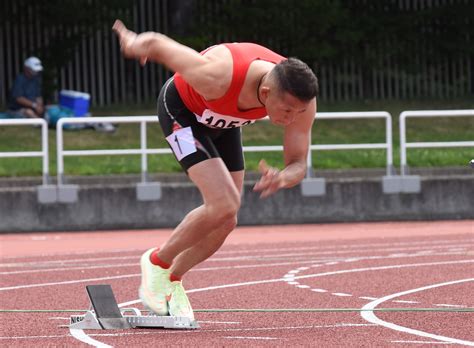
pixel 149 304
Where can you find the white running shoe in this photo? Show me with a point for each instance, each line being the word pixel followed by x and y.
pixel 178 302
pixel 155 285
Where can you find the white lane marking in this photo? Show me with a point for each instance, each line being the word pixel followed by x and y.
pixel 355 270
pixel 368 298
pixel 246 283
pixel 449 305
pixel 246 251
pixel 421 342
pixel 35 238
pixel 200 269
pixel 303 286
pixel 252 338
pixel 81 336
pixel 218 322
pixel 65 269
pixel 372 318
pixel 68 282
pixel 405 301
pixel 332 252
pixel 61 262
pixel 170 332
pixel 354 246
pixel 319 290
pixel 352 259
pixel 341 325
pixel 38 264
pixel 32 337
pixel 341 294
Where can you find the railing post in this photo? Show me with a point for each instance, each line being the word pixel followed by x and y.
pixel 389 142
pixel 45 150
pixel 146 191
pixel 59 151
pixel 403 153
pixel 66 193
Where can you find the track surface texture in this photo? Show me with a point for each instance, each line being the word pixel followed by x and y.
pixel 314 269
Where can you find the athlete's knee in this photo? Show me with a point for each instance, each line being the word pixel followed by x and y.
pixel 229 224
pixel 225 210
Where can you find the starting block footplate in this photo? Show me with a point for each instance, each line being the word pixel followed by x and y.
pixel 105 314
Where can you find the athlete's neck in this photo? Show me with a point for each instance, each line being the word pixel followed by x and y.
pixel 258 89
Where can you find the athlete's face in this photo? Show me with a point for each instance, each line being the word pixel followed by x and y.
pixel 283 108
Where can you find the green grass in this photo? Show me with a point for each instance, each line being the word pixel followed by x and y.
pixel 13 138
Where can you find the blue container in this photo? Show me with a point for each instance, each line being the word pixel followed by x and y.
pixel 78 102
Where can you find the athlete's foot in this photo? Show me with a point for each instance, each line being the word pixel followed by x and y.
pixel 155 285
pixel 178 302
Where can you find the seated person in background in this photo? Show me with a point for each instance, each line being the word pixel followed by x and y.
pixel 25 98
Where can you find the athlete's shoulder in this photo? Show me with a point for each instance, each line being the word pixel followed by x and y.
pixel 256 51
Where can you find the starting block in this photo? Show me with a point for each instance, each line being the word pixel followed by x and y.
pixel 105 314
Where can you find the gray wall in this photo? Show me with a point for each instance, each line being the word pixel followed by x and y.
pixel 114 205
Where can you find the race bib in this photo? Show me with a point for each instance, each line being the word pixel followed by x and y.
pixel 182 142
pixel 215 120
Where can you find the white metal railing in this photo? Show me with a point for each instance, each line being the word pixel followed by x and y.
pixel 344 115
pixel 44 142
pixel 358 115
pixel 144 151
pixel 431 113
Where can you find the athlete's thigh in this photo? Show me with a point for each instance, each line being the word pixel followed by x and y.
pixel 214 181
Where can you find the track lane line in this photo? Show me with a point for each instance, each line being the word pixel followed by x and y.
pixel 372 318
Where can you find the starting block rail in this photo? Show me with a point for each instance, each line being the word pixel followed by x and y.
pixel 105 314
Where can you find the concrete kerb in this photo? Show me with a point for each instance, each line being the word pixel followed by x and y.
pixel 111 203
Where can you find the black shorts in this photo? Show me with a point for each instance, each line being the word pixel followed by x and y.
pixel 209 142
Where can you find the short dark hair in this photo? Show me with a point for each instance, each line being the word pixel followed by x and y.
pixel 296 77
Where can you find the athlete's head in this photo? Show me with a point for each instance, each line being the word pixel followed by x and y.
pixel 296 78
pixel 289 88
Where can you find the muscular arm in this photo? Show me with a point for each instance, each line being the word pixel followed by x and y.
pixel 295 150
pixel 295 147
pixel 199 71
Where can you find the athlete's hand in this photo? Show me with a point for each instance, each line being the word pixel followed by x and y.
pixel 270 182
pixel 131 44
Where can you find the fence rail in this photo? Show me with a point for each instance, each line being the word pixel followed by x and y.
pixel 143 151
pixel 433 113
pixel 44 153
pixel 392 184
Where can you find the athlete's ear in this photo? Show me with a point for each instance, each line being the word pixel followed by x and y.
pixel 264 92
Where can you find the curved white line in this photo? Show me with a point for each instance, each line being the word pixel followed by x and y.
pixel 372 318
pixel 125 304
pixel 83 337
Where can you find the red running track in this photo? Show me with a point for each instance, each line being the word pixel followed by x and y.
pixel 361 265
